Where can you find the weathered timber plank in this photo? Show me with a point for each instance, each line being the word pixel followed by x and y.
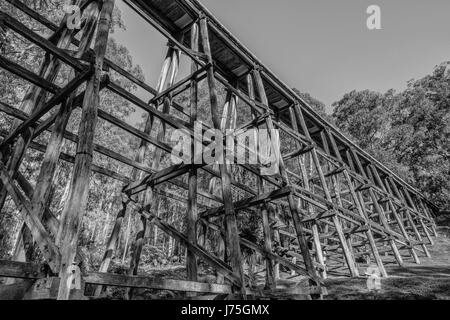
pixel 78 192
pixel 120 280
pixel 24 270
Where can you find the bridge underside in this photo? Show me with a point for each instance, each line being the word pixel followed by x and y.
pixel 329 209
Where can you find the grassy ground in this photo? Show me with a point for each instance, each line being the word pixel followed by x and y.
pixel 429 280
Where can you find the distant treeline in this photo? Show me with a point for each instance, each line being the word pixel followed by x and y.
pixel 408 131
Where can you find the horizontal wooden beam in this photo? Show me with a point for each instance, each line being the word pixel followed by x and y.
pixel 45 44
pixel 24 270
pixel 55 100
pixel 249 202
pixel 157 178
pixel 26 74
pixel 33 271
pixel 146 282
pixel 169 90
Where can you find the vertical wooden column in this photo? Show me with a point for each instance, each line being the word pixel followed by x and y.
pixel 405 209
pixel 359 206
pixel 378 209
pixel 336 187
pixel 347 253
pixel 44 187
pixel 232 233
pixel 143 147
pixel 292 205
pixel 79 186
pixel 227 121
pixel 403 193
pixel 401 224
pixel 192 212
pixel 422 224
pixel 113 239
pixel 429 216
pixel 386 188
pixel 148 198
pixel 274 213
pixel 416 232
pixel 310 209
pixel 349 158
pixel 214 189
pixel 135 174
pixel 263 208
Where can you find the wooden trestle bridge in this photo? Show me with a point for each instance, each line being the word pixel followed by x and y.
pixel 331 200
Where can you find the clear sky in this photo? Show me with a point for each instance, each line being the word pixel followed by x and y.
pixel 322 47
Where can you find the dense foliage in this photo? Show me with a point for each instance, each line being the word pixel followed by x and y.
pixel 409 131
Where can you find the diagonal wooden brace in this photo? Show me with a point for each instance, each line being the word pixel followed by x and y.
pixel 40 235
pixel 217 264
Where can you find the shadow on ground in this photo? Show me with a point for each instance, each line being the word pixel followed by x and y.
pixel 428 281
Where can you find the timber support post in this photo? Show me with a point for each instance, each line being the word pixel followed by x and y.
pixel 230 218
pixel 78 191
